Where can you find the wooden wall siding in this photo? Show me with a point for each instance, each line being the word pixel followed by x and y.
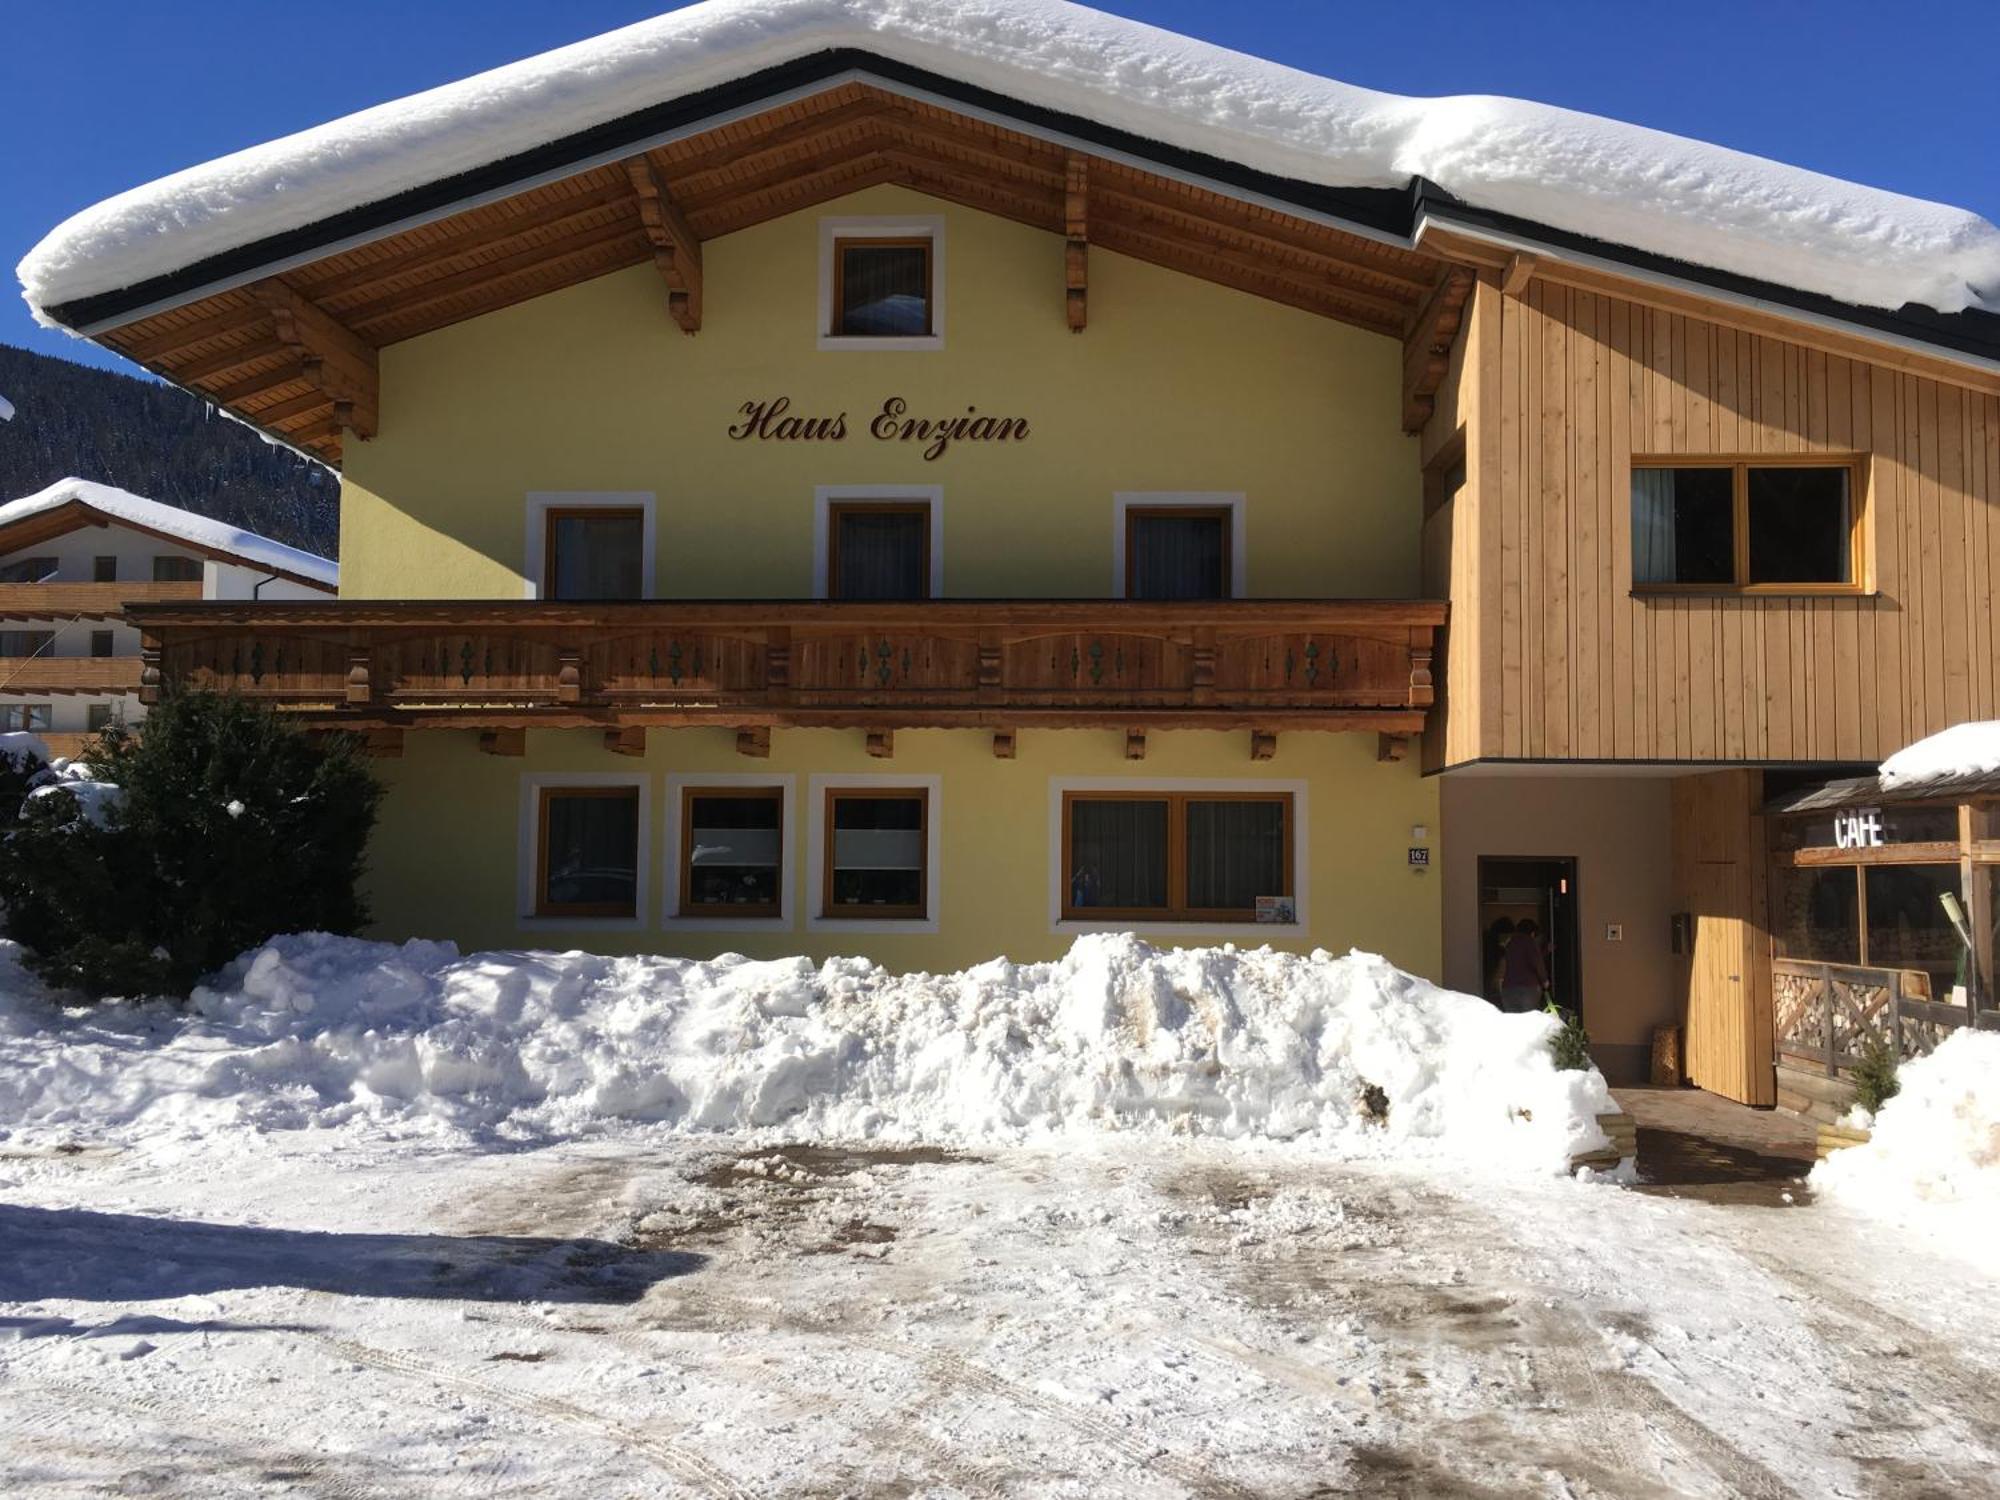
pixel 785 160
pixel 1570 665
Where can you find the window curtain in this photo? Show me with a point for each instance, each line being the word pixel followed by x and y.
pixel 593 851
pixel 1118 854
pixel 597 557
pixel 882 556
pixel 1177 557
pixel 885 290
pixel 1653 559
pixel 1235 853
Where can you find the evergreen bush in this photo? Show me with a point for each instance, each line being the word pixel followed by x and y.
pixel 231 826
pixel 1875 1080
pixel 1570 1046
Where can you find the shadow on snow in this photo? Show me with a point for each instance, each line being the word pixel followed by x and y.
pixel 86 1256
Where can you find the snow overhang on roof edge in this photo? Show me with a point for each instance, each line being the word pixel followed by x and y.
pixel 1365 159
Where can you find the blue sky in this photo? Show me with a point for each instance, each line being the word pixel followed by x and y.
pixel 98 97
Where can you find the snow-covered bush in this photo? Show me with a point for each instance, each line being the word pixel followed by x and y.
pixel 163 854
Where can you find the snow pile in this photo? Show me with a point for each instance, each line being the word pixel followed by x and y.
pixel 316 1031
pixel 72 779
pixel 1934 1158
pixel 1958 753
pixel 20 744
pixel 201 531
pixel 1597 177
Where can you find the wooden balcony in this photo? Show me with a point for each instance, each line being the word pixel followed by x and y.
pixel 69 674
pixel 1258 664
pixel 87 601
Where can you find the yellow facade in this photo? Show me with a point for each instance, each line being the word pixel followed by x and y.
pixel 1178 386
pixel 447 853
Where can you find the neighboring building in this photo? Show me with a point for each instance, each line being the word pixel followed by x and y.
pixel 838 479
pixel 73 556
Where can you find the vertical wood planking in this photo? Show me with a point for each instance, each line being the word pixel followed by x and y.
pixel 1576 666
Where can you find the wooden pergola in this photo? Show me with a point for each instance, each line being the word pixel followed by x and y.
pixel 1830 1008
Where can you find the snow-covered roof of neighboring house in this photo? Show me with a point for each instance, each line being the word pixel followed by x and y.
pixel 6 410
pixel 1625 185
pixel 200 532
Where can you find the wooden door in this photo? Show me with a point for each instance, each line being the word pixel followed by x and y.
pixel 1724 1052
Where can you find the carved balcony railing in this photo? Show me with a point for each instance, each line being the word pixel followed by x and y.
pixel 1335 664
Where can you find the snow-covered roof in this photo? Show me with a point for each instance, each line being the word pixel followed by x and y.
pixel 6 410
pixel 1572 172
pixel 199 531
pixel 1952 758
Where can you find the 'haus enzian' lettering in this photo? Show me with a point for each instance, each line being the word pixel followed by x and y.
pixel 773 421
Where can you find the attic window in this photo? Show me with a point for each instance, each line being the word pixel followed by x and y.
pixel 881 283
pixel 882 288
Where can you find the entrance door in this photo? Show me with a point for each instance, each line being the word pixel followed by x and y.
pixel 1514 892
pixel 1718 1005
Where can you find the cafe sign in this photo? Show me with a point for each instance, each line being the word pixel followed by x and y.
pixel 1862 828
pixel 774 421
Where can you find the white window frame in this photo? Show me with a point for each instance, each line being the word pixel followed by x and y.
pixel 826 496
pixel 532 785
pixel 881 227
pixel 816 845
pixel 1237 931
pixel 541 502
pixel 1233 501
pixel 678 784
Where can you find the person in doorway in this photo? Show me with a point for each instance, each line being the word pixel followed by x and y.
pixel 1496 956
pixel 1524 972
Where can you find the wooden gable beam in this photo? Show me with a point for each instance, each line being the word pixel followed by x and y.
pixel 1076 224
pixel 1427 350
pixel 332 357
pixel 676 247
pixel 1520 270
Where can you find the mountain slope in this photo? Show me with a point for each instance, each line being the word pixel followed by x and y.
pixel 159 442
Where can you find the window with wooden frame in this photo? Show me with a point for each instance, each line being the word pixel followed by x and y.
pixel 883 287
pixel 878 549
pixel 15 643
pixel 104 569
pixel 593 552
pixel 1155 856
pixel 1783 524
pixel 876 852
pixel 587 852
pixel 26 716
pixel 1178 552
pixel 732 851
pixel 100 643
pixel 28 570
pixel 168 568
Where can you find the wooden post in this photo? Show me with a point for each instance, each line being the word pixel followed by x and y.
pixel 1975 882
pixel 359 688
pixel 1076 250
pixel 569 676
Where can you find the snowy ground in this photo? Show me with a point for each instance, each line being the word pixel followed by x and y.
pixel 650 1313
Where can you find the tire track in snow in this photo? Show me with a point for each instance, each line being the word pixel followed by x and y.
pixel 185 1426
pixel 681 1462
